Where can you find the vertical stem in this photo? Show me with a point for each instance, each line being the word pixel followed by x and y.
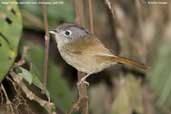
pixel 109 5
pixel 79 10
pixel 148 100
pixel 8 102
pixel 45 66
pixel 83 95
pixel 91 16
pixel 82 87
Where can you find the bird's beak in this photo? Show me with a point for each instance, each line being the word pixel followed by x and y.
pixel 52 32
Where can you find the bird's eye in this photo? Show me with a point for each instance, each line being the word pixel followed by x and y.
pixel 67 33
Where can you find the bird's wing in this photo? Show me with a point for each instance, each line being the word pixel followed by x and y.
pixel 123 60
pixel 89 46
pixel 92 46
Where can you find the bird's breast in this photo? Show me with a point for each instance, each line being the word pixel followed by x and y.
pixel 84 63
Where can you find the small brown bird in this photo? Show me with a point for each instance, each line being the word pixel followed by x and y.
pixel 85 52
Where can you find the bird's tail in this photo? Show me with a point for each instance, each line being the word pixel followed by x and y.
pixel 130 62
pixel 123 60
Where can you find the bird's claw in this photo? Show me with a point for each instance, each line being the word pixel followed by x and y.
pixel 83 81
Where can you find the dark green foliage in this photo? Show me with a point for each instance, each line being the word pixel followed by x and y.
pixel 161 76
pixel 10 31
pixel 57 13
pixel 57 86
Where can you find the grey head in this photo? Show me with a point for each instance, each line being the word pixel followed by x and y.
pixel 68 33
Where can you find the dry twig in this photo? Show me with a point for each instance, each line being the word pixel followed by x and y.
pixel 49 107
pixel 91 16
pixel 79 10
pixel 76 106
pixel 109 5
pixel 82 89
pixel 45 67
pixel 83 105
pixel 8 102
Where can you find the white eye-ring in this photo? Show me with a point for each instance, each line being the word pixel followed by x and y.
pixel 67 33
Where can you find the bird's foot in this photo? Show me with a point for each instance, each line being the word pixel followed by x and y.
pixel 83 81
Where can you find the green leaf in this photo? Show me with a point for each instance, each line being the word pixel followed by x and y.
pixel 56 13
pixel 26 75
pixel 31 78
pixel 10 31
pixel 160 75
pixel 57 86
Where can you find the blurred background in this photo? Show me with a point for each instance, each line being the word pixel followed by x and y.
pixel 136 29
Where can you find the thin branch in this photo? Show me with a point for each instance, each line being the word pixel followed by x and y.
pixel 82 89
pixel 8 102
pixel 91 16
pixel 76 106
pixel 109 5
pixel 148 99
pixel 79 10
pixel 23 56
pixel 45 67
pixel 114 22
pixel 49 107
pixel 139 13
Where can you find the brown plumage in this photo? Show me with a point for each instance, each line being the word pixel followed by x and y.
pixel 85 52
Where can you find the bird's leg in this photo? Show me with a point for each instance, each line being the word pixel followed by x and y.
pixel 83 80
